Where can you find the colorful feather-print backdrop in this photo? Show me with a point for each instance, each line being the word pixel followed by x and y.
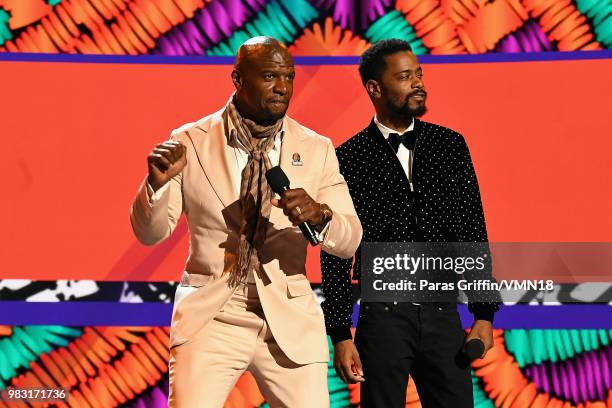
pixel 127 366
pixel 309 27
pixel 112 366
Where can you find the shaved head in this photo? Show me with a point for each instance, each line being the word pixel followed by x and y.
pixel 257 47
pixel 263 76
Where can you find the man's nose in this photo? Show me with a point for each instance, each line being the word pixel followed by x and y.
pixel 280 86
pixel 418 82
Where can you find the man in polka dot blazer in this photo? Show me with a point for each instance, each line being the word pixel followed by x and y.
pixel 411 181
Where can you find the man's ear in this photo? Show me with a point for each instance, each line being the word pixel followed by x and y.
pixel 373 88
pixel 237 79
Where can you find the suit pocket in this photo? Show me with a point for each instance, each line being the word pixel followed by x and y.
pixel 298 286
pixel 367 309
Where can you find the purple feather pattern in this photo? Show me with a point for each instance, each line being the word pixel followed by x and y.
pixel 194 36
pixel 529 38
pixel 586 377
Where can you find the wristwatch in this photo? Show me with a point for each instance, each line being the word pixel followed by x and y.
pixel 327 215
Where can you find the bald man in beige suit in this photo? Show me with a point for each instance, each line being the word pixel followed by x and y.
pixel 244 302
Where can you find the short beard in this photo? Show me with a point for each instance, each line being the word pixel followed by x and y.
pixel 273 117
pixel 270 118
pixel 418 112
pixel 406 110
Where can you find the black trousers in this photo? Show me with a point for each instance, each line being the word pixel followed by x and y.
pixel 425 342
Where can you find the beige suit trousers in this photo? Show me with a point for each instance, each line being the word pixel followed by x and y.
pixel 204 370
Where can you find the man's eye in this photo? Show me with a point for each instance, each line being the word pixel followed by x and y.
pixel 269 76
pixel 419 75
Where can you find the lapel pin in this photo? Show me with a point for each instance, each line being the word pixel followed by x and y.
pixel 297 161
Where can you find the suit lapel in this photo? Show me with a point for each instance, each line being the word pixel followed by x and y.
pixel 218 161
pixel 392 172
pixel 294 141
pixel 382 147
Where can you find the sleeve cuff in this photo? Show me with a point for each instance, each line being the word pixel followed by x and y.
pixel 484 311
pixel 322 234
pixel 154 196
pixel 338 334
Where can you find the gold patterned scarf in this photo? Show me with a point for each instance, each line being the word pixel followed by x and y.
pixel 255 193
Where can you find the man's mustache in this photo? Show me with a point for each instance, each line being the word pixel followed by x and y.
pixel 420 92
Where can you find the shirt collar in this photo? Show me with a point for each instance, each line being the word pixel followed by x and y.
pixel 386 131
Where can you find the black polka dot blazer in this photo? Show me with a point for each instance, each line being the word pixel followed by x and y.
pixel 445 206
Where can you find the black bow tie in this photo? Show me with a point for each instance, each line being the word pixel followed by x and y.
pixel 408 139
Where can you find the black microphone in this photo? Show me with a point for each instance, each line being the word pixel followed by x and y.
pixel 277 179
pixel 474 349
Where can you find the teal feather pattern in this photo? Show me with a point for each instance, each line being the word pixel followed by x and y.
pixel 27 343
pixel 600 13
pixel 281 19
pixel 537 346
pixel 394 25
pixel 5 33
pixel 481 400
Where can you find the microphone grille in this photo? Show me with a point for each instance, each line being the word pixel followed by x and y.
pixel 474 349
pixel 277 179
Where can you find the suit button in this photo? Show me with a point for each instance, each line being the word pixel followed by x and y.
pixel 387 308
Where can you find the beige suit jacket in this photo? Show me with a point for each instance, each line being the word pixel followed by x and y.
pixel 205 193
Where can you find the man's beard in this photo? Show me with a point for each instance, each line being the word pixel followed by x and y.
pixel 405 109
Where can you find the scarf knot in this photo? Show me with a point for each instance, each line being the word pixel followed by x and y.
pixel 256 155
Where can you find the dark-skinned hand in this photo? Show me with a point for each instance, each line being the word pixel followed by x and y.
pixel 166 161
pixel 299 207
pixel 483 330
pixel 347 362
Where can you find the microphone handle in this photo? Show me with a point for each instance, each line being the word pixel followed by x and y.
pixel 309 234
